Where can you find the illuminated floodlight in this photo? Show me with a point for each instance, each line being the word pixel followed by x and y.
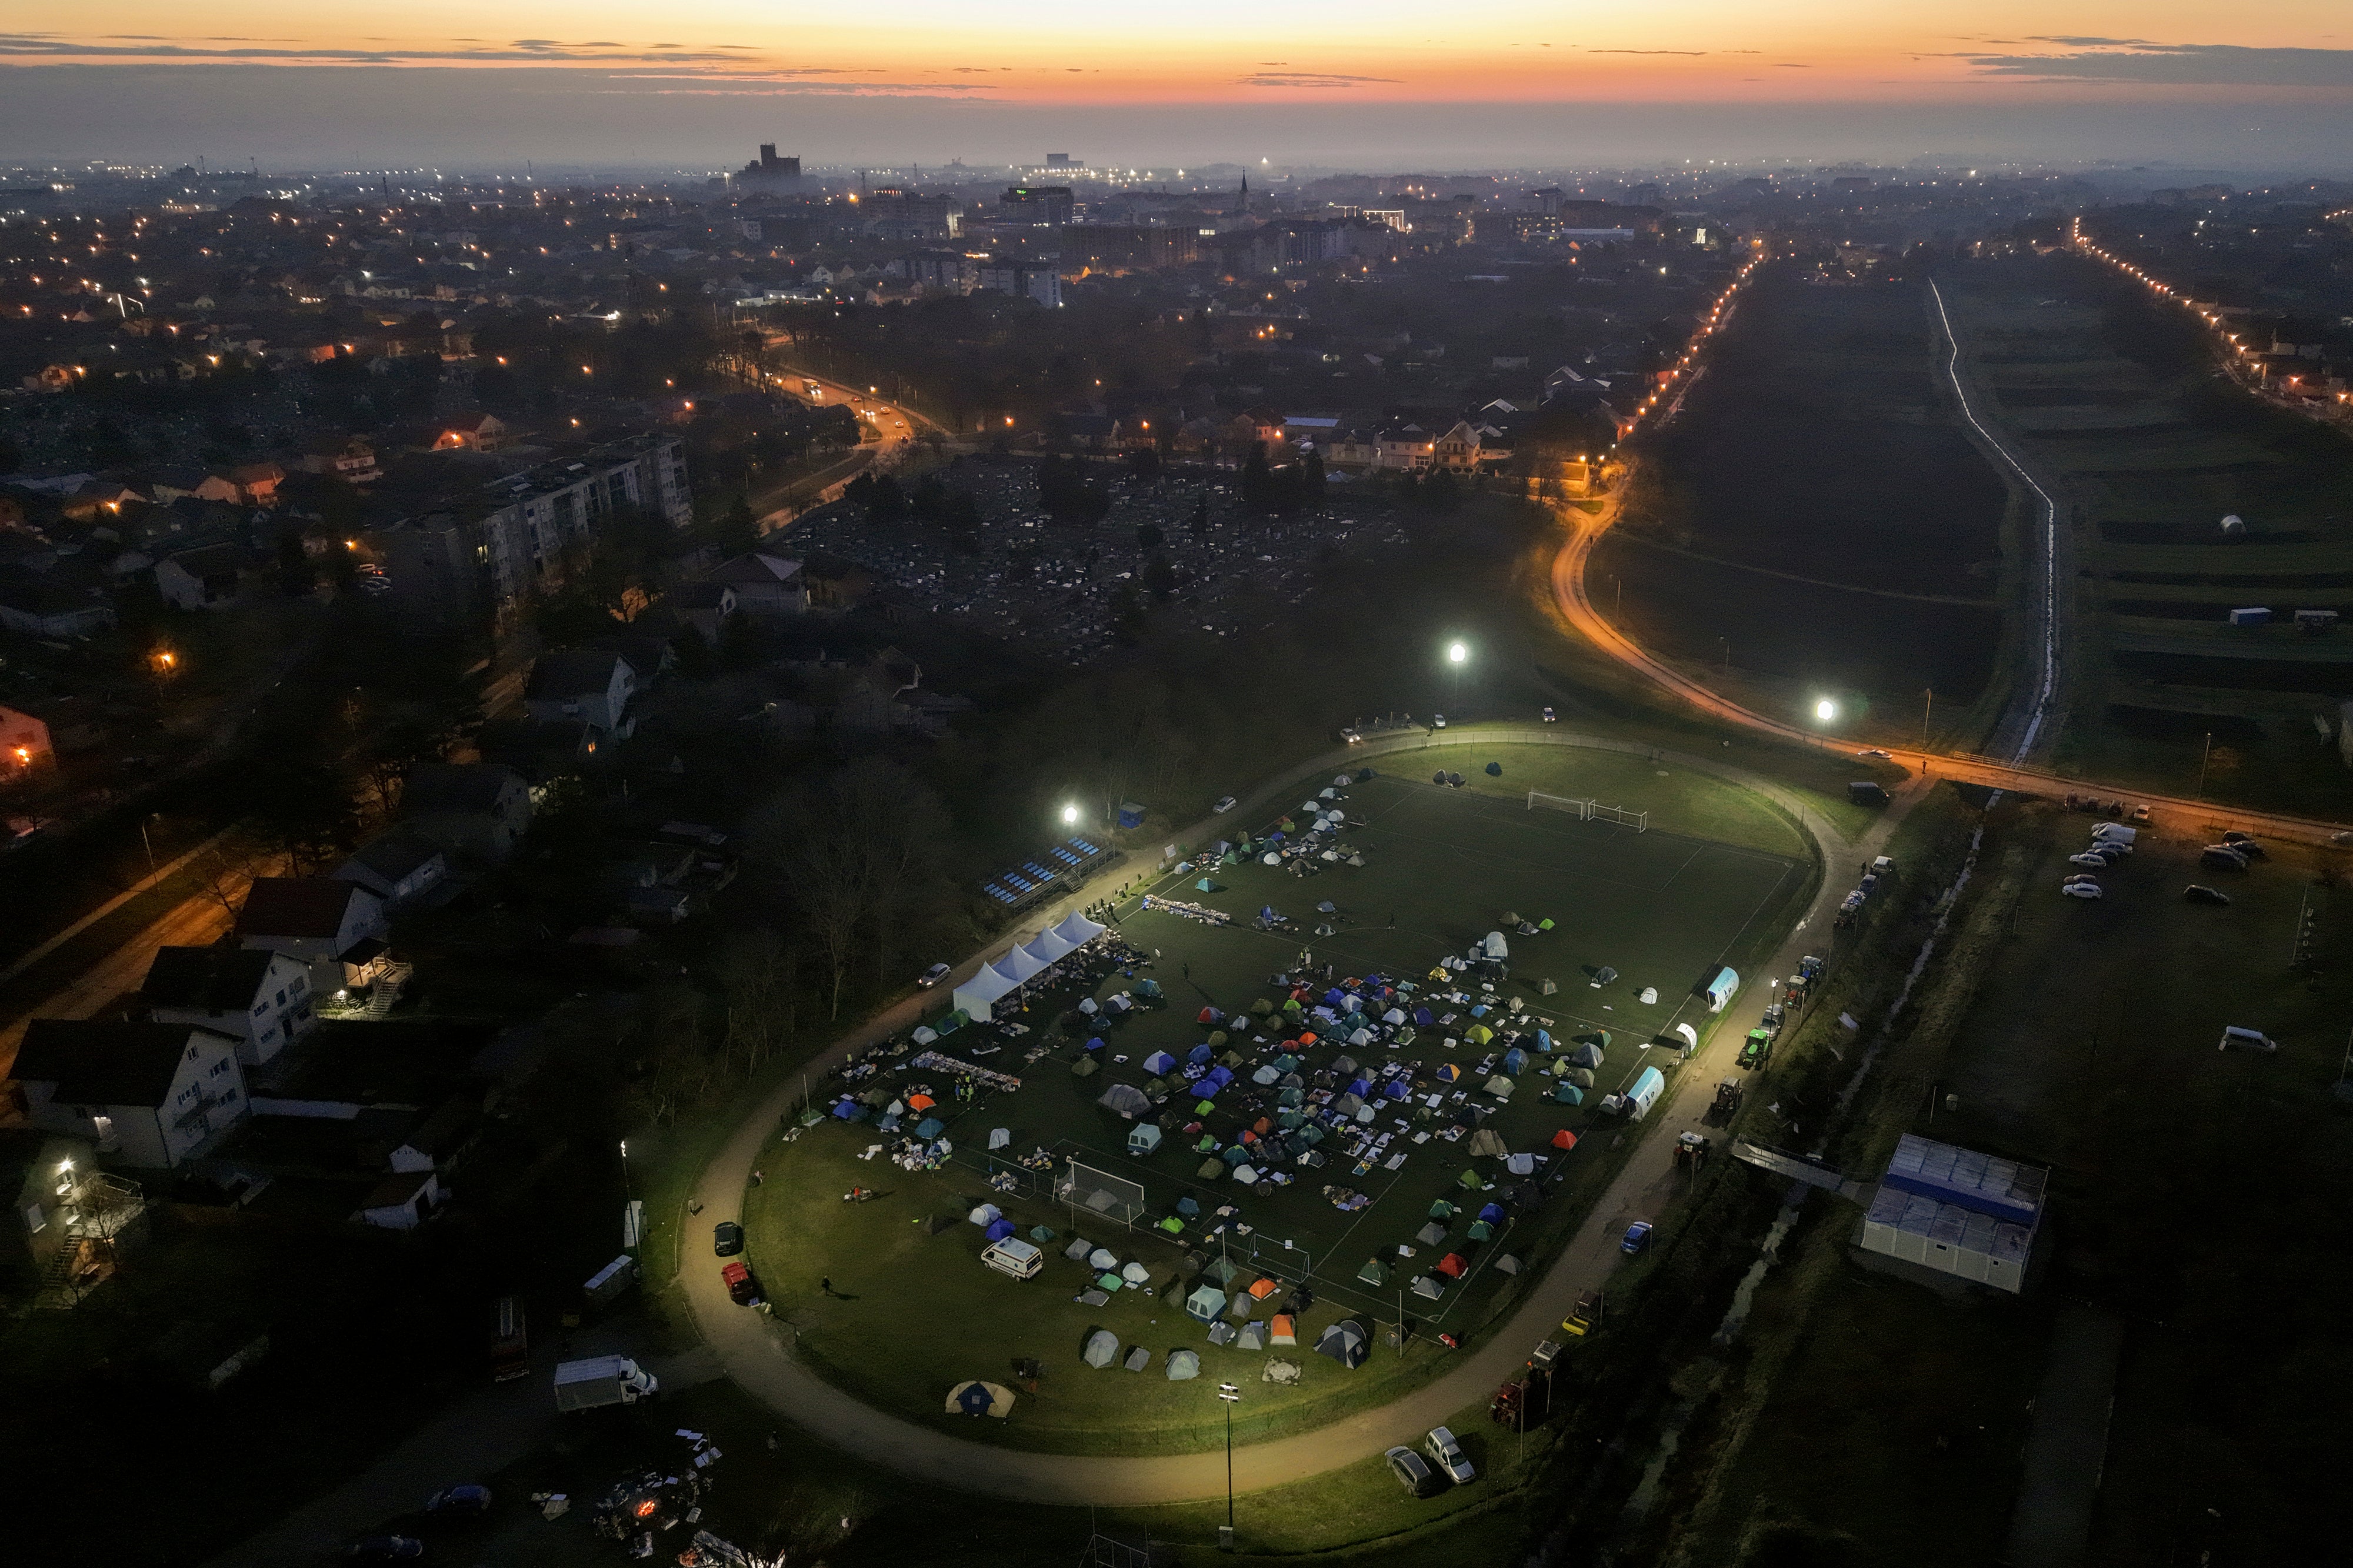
pixel 1456 653
pixel 1070 816
pixel 1826 711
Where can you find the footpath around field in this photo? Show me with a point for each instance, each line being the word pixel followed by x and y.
pixel 755 1357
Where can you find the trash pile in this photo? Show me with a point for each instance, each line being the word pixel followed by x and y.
pixel 640 1509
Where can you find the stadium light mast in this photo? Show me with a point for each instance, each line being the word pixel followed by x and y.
pixel 1229 1396
pixel 1825 711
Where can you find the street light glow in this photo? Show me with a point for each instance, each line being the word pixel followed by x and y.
pixel 1826 709
pixel 1070 816
pixel 1456 653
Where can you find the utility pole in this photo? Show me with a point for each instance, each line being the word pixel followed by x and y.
pixel 1925 712
pixel 2204 753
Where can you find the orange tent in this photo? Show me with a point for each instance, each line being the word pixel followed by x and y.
pixel 1564 1139
pixel 1264 1288
pixel 1281 1330
pixel 921 1102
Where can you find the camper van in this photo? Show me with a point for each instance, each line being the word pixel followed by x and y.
pixel 1645 1093
pixel 1014 1259
pixel 1720 989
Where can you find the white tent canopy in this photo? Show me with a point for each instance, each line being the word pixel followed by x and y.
pixel 1019 965
pixel 1050 948
pixel 974 996
pixel 1079 931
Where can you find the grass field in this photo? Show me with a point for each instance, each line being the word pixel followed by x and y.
pixel 1817 509
pixel 1714 880
pixel 2198 1196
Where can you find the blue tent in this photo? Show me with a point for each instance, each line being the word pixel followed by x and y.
pixel 1266 911
pixel 1188 1207
pixel 1148 989
pixel 1494 770
pixel 1423 1017
pixel 1217 1077
pixel 1335 997
pixel 930 1127
pixel 1515 1061
pixel 1395 1090
pixel 999 1231
pixel 1095 1044
pixel 847 1110
pixel 1198 1054
pixel 1491 1214
pixel 1160 1062
pixel 1361 1087
pixel 974 1400
pixel 1543 1040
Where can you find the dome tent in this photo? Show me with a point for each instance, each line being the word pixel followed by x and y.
pixel 1102 1349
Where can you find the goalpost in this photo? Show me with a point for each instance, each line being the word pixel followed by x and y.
pixel 1591 810
pixel 1100 1193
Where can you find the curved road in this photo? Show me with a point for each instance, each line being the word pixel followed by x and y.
pixel 752 1348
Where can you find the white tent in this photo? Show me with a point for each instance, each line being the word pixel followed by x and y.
pixel 1079 931
pixel 976 995
pixel 1050 948
pixel 1019 965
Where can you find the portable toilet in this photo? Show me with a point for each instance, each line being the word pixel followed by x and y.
pixel 1720 989
pixel 1644 1094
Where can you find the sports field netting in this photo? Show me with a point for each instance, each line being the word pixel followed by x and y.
pixel 1099 1196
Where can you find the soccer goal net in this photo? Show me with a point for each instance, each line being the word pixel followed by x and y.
pixel 1639 821
pixel 1575 807
pixel 1091 1191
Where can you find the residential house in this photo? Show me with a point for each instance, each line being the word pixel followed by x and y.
pixel 334 928
pixel 260 999
pixel 347 457
pixel 399 865
pixel 471 433
pixel 703 606
pixel 763 584
pixel 24 744
pixel 171 484
pixel 834 582
pixel 591 685
pixel 48 606
pixel 65 1217
pixel 257 483
pixel 477 811
pixel 402 1201
pixel 206 578
pixel 148 1094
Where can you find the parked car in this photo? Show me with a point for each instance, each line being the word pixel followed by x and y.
pixel 1438 720
pixel 2081 890
pixel 465 1498
pixel 2226 855
pixel 1448 1455
pixel 1874 751
pixel 726 1238
pixel 1638 1237
pixel 2109 852
pixel 2139 814
pixel 2198 893
pixel 2096 862
pixel 385 1549
pixel 1407 1466
pixel 2244 843
pixel 934 975
pixel 2078 876
pixel 1225 803
pixel 742 1288
pixel 2340 839
pixel 1549 717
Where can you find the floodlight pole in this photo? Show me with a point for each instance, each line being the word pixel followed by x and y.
pixel 1229 1396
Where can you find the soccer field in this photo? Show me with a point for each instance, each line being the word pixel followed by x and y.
pixel 1443 867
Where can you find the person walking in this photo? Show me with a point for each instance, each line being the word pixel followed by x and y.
pixel 825 1285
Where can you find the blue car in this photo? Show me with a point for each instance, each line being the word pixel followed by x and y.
pixel 1638 1237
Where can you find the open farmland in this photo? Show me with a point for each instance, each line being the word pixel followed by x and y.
pixel 2117 403
pixel 1816 507
pixel 1714 881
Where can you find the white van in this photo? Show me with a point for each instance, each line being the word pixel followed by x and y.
pixel 1014 1257
pixel 2235 1039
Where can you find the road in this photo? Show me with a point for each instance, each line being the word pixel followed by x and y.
pixel 897 425
pixel 756 1356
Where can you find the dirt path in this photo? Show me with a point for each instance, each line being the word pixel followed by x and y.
pixel 758 1357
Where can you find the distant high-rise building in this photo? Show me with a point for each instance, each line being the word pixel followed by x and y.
pixel 770 168
pixel 1045 206
pixel 1058 160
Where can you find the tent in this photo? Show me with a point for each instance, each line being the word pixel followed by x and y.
pixel 1344 1342
pixel 1102 1260
pixel 1515 1061
pixel 1430 1235
pixel 1453 1266
pixel 1450 1073
pixel 1138 1359
pixel 1077 1249
pixel 1480 1230
pixel 1136 1274
pixel 1205 1302
pixel 1521 1164
pixel 1079 931
pixel 929 1128
pixel 1124 1099
pixel 1508 1264
pixel 1478 1033
pixel 978 994
pixel 1102 1349
pixel 1048 948
pixel 1568 1094
pixel 1496 946
pixel 1041 1234
pixel 1108 1282
pixel 1143 1138
pixel 999 1137
pixel 1441 1210
pixel 986 1215
pixel 1564 1139
pixel 1252 1337
pixel 1375 1272
pixel 1282 1330
pixel 1000 1230
pixel 1491 1213
pixel 1222 1333
pixel 980 1399
pixel 1183 1364
pixel 1085 1066
pixel 1427 1288
pixel 1581 1076
pixel 1487 1144
pixel 1587 1055
pixel 1500 1086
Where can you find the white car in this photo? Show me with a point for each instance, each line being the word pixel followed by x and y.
pixel 1448 1455
pixel 1872 752
pixel 1351 736
pixel 1548 716
pixel 934 975
pixel 1438 720
pixel 2096 862
pixel 1225 803
pixel 2080 890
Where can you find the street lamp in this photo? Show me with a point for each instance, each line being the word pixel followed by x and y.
pixel 1229 1396
pixel 1069 816
pixel 1456 653
pixel 624 1170
pixel 1825 711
